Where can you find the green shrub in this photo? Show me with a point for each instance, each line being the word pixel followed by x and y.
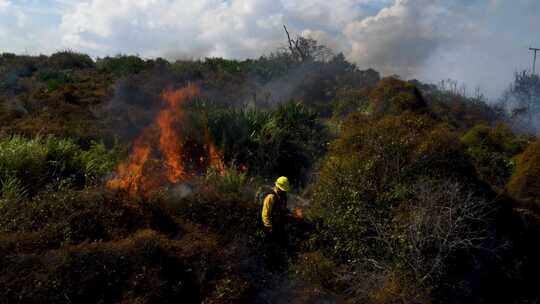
pixel 285 141
pixel 12 189
pixel 98 161
pixel 41 163
pixel 493 152
pixel 24 160
pixel 290 142
pixel 230 181
pixel 235 133
pixel 392 96
pixel 64 60
pixel 525 181
pixel 348 100
pixel 55 79
pixel 121 65
pixel 370 170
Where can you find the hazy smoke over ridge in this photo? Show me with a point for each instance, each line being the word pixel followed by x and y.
pixel 480 42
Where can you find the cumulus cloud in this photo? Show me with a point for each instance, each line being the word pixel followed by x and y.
pixel 3 5
pixel 401 37
pixel 234 28
pixel 426 39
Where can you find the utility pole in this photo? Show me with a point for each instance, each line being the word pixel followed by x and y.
pixel 534 60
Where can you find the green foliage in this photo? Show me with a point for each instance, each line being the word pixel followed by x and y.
pixel 396 213
pixel 230 181
pixel 525 181
pixel 392 96
pixel 370 170
pixel 121 65
pixel 234 132
pixel 40 163
pixel 55 79
pixel 24 160
pixel 64 60
pixel 285 141
pixel 493 151
pixel 290 141
pixel 12 189
pixel 500 139
pixel 98 161
pixel 348 100
pixel 385 203
pixel 220 64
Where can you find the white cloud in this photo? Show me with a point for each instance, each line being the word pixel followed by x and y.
pixel 236 28
pixel 429 39
pixel 396 40
pixel 21 18
pixel 4 5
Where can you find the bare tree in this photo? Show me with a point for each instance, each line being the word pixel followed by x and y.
pixel 441 219
pixel 305 49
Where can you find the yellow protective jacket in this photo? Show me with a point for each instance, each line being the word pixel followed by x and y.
pixel 274 208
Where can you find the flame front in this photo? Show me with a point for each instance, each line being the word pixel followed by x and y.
pixel 130 172
pixel 169 138
pixel 157 155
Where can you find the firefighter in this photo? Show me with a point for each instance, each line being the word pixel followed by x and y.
pixel 274 211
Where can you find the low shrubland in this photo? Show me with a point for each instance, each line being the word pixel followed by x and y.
pixel 28 166
pixel 410 193
pixel 396 200
pixel 97 246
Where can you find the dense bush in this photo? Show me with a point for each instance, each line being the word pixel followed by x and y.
pixel 386 205
pixel 493 151
pixel 392 96
pixel 396 214
pixel 290 141
pixel 121 65
pixel 31 165
pixel 285 141
pixel 55 79
pixel 69 60
pixel 230 181
pixel 525 182
pixel 93 246
pixel 235 132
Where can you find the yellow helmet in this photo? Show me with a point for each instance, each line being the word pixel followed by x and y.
pixel 282 184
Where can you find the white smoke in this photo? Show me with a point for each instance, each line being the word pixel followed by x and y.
pixel 481 42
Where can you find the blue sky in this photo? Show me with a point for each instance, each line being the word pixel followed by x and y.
pixel 480 42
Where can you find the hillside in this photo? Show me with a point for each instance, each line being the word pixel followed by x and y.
pixel 125 180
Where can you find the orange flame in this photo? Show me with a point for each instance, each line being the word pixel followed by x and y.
pixel 131 171
pixel 137 174
pixel 298 213
pixel 169 138
pixel 213 155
